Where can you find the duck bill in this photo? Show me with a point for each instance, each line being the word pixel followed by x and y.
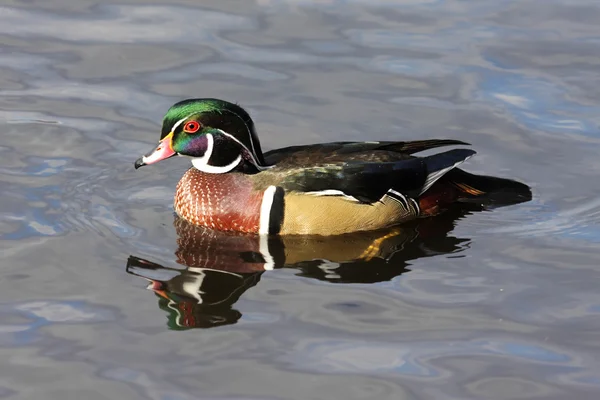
pixel 163 151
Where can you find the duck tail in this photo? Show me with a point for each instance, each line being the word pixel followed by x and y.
pixel 488 190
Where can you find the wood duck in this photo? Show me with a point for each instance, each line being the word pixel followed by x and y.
pixel 317 189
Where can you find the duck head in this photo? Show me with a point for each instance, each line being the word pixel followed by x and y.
pixel 217 135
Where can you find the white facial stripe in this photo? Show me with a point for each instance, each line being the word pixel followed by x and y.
pixel 252 153
pixel 249 133
pixel 179 123
pixel 252 143
pixel 265 210
pixel 202 163
pixel 211 169
pixel 209 149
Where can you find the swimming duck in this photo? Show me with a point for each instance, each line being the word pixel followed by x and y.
pixel 316 189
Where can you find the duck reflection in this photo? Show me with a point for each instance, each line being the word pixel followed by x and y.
pixel 194 297
pixel 221 266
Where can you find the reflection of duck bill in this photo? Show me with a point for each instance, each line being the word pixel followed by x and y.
pixel 193 285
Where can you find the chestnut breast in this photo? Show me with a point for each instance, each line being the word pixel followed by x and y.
pixel 225 202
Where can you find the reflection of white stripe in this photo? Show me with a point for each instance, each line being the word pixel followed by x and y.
pixel 265 210
pixel 173 306
pixel 202 163
pixel 193 288
pixel 329 267
pixel 264 250
pixel 199 270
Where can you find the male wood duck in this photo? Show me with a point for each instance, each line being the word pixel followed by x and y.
pixel 318 189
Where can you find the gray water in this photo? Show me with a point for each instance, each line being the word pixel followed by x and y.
pixel 500 304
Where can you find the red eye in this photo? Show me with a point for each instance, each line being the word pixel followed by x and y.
pixel 191 127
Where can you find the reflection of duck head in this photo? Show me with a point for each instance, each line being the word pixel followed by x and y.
pixel 194 297
pixel 221 266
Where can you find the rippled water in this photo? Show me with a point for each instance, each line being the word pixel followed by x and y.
pixel 500 304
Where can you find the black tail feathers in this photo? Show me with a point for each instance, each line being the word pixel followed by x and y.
pixel 488 190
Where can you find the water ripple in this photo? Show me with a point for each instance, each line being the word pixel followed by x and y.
pixel 121 24
pixel 512 312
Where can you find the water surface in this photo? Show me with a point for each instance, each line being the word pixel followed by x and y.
pixel 500 304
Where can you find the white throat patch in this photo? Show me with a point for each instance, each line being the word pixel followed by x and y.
pixel 202 163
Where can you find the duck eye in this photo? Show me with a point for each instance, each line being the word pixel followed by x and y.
pixel 191 127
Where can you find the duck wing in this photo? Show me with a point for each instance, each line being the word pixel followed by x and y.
pixel 338 150
pixel 361 178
